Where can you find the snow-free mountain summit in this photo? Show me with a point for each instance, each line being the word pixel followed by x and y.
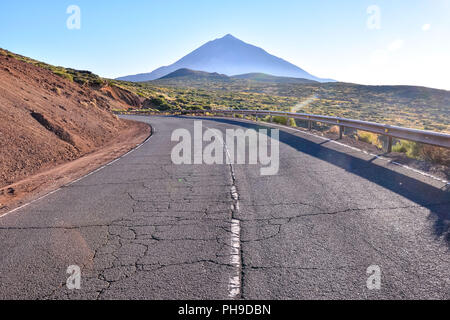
pixel 229 56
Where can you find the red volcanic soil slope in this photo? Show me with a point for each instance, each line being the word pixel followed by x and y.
pixel 116 93
pixel 47 120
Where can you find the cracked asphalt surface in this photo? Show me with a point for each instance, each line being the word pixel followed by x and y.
pixel 144 228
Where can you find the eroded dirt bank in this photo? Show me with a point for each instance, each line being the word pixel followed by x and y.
pixel 47 122
pixel 39 184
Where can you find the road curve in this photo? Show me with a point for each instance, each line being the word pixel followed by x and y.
pixel 144 228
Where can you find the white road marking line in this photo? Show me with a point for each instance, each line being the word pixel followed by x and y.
pixel 234 285
pixel 234 193
pixel 27 204
pixel 75 181
pixel 235 280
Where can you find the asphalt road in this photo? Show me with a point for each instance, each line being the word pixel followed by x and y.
pixel 144 228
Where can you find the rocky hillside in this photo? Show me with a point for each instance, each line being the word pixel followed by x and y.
pixel 48 118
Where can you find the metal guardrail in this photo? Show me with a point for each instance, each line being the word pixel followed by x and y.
pixel 422 136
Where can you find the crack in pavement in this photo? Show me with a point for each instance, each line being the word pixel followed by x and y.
pixel 332 213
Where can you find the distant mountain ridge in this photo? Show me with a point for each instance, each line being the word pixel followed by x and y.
pixel 229 56
pixel 184 72
pixel 188 74
pixel 262 77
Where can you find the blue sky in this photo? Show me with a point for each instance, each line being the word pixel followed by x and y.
pixel 332 39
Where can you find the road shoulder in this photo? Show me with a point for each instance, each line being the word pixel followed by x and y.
pixel 51 179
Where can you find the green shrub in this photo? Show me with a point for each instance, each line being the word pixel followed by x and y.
pixel 79 80
pixel 436 154
pixel 291 122
pixel 423 152
pixel 400 148
pixel 63 75
pixel 369 137
pixel 410 148
pixel 96 82
pixel 158 101
pixel 279 120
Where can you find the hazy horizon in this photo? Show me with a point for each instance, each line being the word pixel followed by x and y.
pixel 365 42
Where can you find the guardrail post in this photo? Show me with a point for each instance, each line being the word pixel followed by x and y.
pixel 341 132
pixel 309 125
pixel 271 118
pixel 389 146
